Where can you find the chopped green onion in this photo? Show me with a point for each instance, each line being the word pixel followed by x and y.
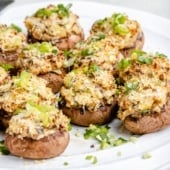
pixel 68 53
pixel 98 37
pixel 118 21
pixel 138 52
pixel 65 163
pixel 43 48
pixel 23 80
pixel 43 12
pixel 60 9
pixel 15 27
pixel 91 158
pixel 69 127
pixel 161 55
pixel 93 68
pixel 145 60
pixel 3 148
pixel 54 51
pixel 119 141
pixel 94 130
pixel 118 18
pixel 102 135
pixel 7 67
pixel 86 52
pixel 121 29
pixel 123 64
pixel 100 21
pixel 146 155
pixel 42 110
pixel 131 86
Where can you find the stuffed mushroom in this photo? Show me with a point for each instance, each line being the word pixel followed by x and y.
pixel 144 93
pixel 56 24
pixel 45 61
pixel 39 131
pixel 128 33
pixel 12 41
pixel 89 96
pixel 25 87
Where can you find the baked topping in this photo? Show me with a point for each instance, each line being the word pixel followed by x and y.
pixel 37 121
pixel 53 23
pixel 101 51
pixel 88 88
pixel 41 58
pixel 11 39
pixel 126 31
pixel 26 87
pixel 145 81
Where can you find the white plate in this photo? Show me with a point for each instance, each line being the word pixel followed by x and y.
pixel 157 38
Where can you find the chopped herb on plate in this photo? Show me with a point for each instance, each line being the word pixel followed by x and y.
pixel 91 158
pixel 103 136
pixel 3 148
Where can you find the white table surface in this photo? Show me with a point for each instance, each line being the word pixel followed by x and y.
pixel 158 7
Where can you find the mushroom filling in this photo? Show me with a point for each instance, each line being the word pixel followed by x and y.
pixel 88 88
pixel 11 38
pixel 126 31
pixel 53 23
pixel 26 87
pixel 40 58
pixel 99 50
pixel 37 121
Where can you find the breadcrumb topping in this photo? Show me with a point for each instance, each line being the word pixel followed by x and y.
pixel 37 121
pixel 26 87
pixel 88 88
pixel 11 39
pixel 125 30
pixel 145 87
pixel 40 58
pixel 53 23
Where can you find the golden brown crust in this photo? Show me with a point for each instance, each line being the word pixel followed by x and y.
pixel 47 147
pixel 138 45
pixel 99 117
pixel 149 123
pixel 54 81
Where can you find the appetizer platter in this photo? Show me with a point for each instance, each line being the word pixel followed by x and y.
pixel 83 88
